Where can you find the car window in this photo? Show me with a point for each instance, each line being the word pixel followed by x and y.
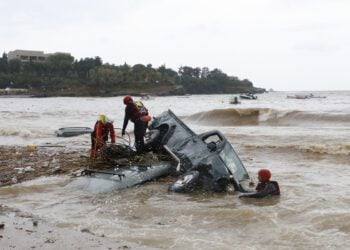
pixel 230 158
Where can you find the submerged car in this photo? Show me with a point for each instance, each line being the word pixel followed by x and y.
pixel 206 161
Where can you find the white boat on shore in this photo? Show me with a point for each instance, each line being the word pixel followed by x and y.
pixel 298 97
pixel 248 96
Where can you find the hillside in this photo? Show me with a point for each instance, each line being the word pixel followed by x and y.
pixel 62 75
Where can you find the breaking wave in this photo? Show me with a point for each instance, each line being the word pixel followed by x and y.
pixel 24 133
pixel 267 116
pixel 329 148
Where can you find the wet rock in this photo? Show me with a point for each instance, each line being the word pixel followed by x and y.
pixel 19 170
pixel 14 180
pixel 124 247
pixel 51 241
pixel 53 163
pixel 56 170
pixel 29 169
pixel 45 164
pixel 85 230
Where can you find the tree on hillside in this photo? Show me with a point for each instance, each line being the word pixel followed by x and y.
pixel 217 74
pixel 60 63
pixel 3 63
pixel 14 66
pixel 187 71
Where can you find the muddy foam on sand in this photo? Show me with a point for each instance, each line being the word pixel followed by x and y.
pixel 23 231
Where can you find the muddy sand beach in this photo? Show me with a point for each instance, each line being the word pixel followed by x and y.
pixel 20 230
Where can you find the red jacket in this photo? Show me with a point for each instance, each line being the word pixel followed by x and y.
pixel 108 129
pixel 101 131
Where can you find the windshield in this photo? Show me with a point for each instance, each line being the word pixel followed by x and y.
pixel 234 164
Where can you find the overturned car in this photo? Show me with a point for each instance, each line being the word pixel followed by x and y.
pixel 205 162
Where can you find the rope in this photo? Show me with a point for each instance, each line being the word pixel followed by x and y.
pixel 123 139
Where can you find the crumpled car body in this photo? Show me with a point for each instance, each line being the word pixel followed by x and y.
pixel 207 161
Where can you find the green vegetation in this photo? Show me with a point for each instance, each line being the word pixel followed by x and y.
pixel 62 75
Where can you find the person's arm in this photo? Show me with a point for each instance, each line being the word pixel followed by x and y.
pixel 126 118
pixel 269 188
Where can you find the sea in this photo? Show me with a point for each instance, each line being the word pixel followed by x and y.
pixel 304 142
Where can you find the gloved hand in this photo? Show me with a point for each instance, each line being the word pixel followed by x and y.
pixel 123 132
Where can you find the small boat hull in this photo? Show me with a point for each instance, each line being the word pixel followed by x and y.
pixel 248 97
pixel 72 131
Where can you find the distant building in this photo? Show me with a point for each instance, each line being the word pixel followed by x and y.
pixel 29 55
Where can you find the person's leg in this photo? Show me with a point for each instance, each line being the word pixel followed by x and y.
pixel 145 126
pixel 93 149
pixel 139 134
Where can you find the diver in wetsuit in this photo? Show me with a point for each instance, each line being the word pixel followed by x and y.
pixel 265 187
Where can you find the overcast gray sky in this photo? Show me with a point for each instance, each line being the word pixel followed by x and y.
pixel 279 44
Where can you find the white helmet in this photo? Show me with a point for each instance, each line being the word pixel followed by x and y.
pixel 108 120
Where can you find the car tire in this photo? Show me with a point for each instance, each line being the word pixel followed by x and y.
pixel 185 183
pixel 153 139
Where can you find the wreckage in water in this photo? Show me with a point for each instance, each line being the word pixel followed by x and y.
pixel 107 179
pixel 205 162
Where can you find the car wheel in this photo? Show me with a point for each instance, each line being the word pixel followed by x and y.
pixel 186 183
pixel 152 139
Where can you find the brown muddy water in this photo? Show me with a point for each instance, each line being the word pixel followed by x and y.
pixel 305 144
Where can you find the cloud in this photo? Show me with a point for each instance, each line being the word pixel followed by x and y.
pixel 262 40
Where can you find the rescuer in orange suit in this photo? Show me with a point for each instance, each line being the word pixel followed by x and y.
pixel 99 137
